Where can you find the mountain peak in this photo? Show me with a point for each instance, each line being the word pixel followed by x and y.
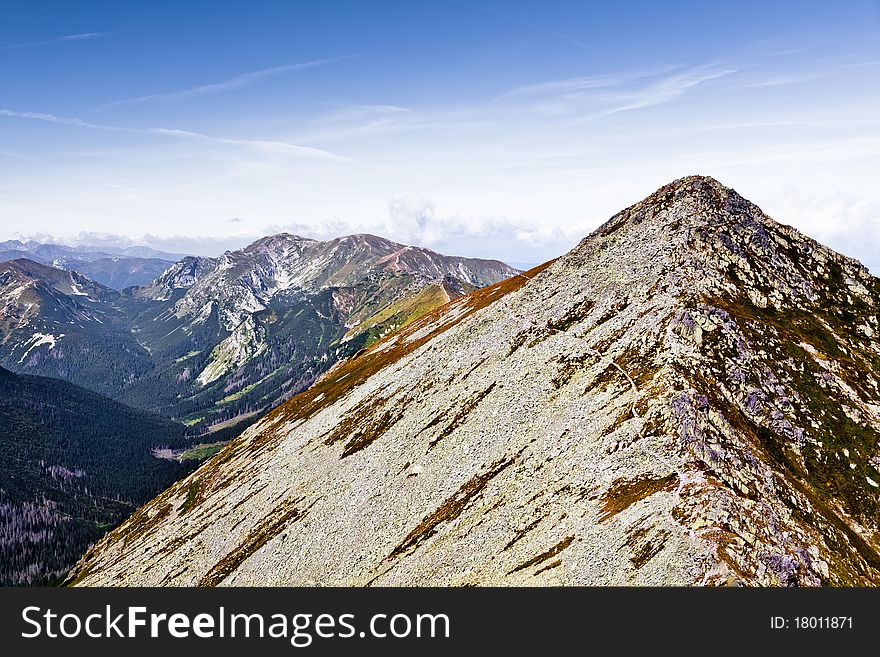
pixel 695 236
pixel 276 240
pixel 29 267
pixel 696 186
pixel 690 396
pixel 695 182
pixel 686 202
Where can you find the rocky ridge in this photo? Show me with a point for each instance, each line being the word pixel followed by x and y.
pixel 688 397
pixel 239 283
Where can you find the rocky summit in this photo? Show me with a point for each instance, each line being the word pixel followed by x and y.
pixel 688 397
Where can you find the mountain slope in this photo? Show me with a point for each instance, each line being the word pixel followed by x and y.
pixel 688 397
pixel 59 323
pixel 72 464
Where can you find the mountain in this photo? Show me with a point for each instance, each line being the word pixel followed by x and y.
pixel 242 282
pixel 117 268
pixel 59 323
pixel 690 397
pixel 72 465
pixel 120 272
pixel 215 342
pixel 233 336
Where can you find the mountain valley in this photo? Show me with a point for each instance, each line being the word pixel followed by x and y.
pixel 74 464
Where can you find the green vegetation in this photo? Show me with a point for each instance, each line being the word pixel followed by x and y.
pixel 231 422
pixel 238 395
pixel 187 356
pixel 193 496
pixel 401 313
pixel 201 452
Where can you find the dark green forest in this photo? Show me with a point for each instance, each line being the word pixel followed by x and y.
pixel 74 465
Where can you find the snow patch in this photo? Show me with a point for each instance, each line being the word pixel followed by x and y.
pixel 74 289
pixel 38 339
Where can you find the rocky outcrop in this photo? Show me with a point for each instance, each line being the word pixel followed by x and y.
pixel 690 397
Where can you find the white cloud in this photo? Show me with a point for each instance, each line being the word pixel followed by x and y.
pixel 264 145
pixel 416 221
pixel 174 244
pixel 843 221
pixel 321 230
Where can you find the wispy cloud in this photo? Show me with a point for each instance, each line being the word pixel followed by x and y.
pixel 779 81
pixel 580 84
pixel 570 100
pixel 52 118
pixel 668 88
pixel 204 245
pixel 416 221
pixel 262 145
pixel 230 84
pixel 84 36
pixel 358 120
pixel 605 94
pixel 577 43
pixel 358 111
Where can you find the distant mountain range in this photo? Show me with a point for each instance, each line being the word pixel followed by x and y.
pixel 215 342
pixel 688 397
pixel 211 342
pixel 117 268
pixel 73 464
pixel 85 253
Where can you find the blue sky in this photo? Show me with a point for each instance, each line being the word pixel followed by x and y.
pixel 503 129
